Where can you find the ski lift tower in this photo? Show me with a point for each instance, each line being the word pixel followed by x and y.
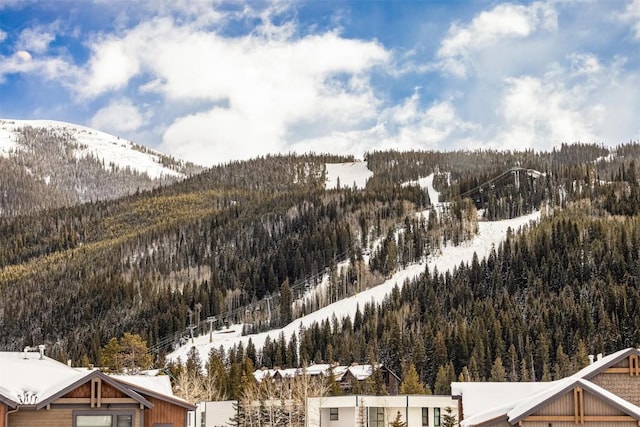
pixel 211 319
pixel 191 326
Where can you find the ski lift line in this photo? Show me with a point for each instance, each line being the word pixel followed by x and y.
pixel 497 178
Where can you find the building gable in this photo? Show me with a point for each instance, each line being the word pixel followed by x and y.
pixel 95 389
pixel 622 378
pixel 577 402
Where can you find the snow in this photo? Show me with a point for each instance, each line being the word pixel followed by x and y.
pixel 111 149
pixel 156 383
pixel 427 183
pixel 489 236
pixel 349 174
pixel 31 378
pixel 25 378
pixel 502 396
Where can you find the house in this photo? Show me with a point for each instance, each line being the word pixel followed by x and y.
pixel 36 390
pixel 346 376
pixel 380 411
pixel 605 393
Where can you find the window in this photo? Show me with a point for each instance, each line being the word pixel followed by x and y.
pixel 436 417
pixel 203 419
pixel 425 417
pixel 124 420
pixel 103 420
pixel 333 414
pixel 94 421
pixel 376 417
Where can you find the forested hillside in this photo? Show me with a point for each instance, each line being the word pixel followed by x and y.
pixel 229 239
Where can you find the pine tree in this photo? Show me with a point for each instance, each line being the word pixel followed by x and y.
pixel 445 376
pixel 130 353
pixel 411 383
pixel 448 418
pixel 397 421
pixel 498 373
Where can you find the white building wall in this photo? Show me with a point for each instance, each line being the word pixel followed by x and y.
pixel 215 414
pixel 352 408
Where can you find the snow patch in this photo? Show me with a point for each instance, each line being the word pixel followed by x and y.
pixel 353 174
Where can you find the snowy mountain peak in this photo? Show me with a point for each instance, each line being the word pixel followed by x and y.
pixel 85 142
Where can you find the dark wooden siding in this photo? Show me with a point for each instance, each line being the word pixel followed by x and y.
pixel 109 391
pixel 83 391
pixel 164 413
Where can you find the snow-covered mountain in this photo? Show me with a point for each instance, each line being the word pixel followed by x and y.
pixel 91 142
pixel 73 164
pixel 490 235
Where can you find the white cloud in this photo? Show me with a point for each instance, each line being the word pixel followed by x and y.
pixel 113 63
pixel 264 85
pixel 583 101
pixel 631 15
pixel 275 86
pixel 407 126
pixel 119 116
pixel 22 62
pixel 37 39
pixel 505 21
pixel 3 36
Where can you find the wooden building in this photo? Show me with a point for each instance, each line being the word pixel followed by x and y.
pixel 604 394
pixel 38 391
pixel 346 376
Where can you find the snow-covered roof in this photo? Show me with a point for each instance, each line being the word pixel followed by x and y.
pixel 529 406
pixel 484 402
pixel 28 378
pixel 157 383
pixel 360 372
pixel 477 397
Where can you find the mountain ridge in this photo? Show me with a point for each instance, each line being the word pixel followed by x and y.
pixel 75 164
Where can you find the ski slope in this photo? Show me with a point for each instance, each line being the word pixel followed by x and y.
pixel 489 236
pixel 347 174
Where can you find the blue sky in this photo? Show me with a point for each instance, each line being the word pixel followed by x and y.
pixel 212 80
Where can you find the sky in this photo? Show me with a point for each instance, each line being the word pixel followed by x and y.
pixel 211 81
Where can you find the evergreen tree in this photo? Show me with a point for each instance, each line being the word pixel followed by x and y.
pixel 445 376
pixel 411 383
pixel 448 418
pixel 498 373
pixel 397 421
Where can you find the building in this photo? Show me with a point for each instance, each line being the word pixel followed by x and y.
pixel 346 376
pixel 36 390
pixel 604 394
pixel 379 411
pixel 215 414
